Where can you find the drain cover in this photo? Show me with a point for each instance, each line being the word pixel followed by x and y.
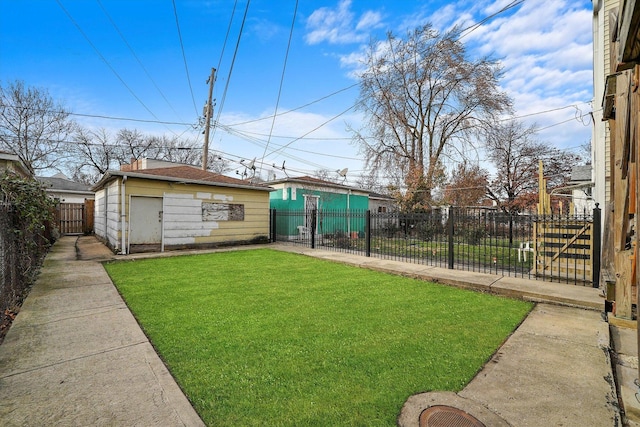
pixel 447 416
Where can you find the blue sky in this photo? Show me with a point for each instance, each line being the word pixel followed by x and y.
pixel 90 58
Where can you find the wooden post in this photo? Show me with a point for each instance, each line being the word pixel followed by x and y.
pixel 207 122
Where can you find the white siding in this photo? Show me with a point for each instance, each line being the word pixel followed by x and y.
pixel 99 220
pixel 183 219
pixel 113 215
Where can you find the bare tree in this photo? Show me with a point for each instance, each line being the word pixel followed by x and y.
pixel 33 126
pixel 423 95
pixel 95 152
pixel 329 176
pixel 515 153
pixel 177 150
pixel 134 145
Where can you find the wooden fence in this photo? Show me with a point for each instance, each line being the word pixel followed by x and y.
pixel 75 218
pixel 564 249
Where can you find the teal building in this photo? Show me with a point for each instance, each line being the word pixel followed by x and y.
pixel 339 208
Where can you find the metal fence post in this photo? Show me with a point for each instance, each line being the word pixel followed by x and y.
pixel 273 226
pixel 597 245
pixel 450 230
pixel 367 233
pixel 312 231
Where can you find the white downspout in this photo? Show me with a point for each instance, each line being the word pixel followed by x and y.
pixel 123 216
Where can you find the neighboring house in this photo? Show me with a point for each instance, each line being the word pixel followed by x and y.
pixel 381 203
pixel 74 204
pixel 178 207
pixel 578 191
pixel 605 16
pixel 384 212
pixel 12 163
pixel 581 187
pixel 63 190
pixel 616 70
pixel 307 194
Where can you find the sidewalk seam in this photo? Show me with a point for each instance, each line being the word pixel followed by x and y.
pixel 36 368
pixel 100 310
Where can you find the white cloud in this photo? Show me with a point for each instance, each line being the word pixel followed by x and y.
pixel 339 25
pixel 369 19
pixel 544 46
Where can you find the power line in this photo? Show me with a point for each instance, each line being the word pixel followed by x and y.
pixel 127 119
pixel 312 130
pixel 298 108
pixel 284 67
pixel 226 36
pixel 509 6
pixel 98 116
pixel 137 58
pixel 246 135
pixel 104 59
pixel 184 57
pixel 477 25
pixel 233 61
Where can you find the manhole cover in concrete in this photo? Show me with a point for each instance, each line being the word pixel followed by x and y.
pixel 447 416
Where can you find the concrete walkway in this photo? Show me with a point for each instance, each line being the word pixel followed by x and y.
pixel 76 356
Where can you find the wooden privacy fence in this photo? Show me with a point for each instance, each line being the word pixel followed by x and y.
pixel 75 218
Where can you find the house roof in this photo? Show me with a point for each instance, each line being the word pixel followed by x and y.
pixel 182 174
pixel 16 162
pixel 379 196
pixel 581 174
pixel 315 181
pixel 57 183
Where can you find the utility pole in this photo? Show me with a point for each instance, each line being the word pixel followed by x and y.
pixel 207 120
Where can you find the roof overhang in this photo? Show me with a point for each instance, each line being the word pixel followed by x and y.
pixel 16 162
pixel 78 192
pixel 111 175
pixel 314 184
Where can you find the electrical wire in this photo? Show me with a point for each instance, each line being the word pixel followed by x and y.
pixel 284 68
pixel 233 61
pixel 279 150
pixel 104 59
pixel 226 36
pixel 184 56
pixel 297 108
pixel 137 58
pixel 477 25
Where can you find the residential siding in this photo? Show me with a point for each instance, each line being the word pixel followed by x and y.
pixel 184 223
pixel 99 220
pixel 609 5
pixel 107 215
pixel 114 236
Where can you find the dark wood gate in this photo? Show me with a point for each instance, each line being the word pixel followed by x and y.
pixel 75 218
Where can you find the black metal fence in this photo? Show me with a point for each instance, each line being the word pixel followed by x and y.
pixel 546 247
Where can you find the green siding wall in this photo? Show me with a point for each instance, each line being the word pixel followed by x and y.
pixel 327 223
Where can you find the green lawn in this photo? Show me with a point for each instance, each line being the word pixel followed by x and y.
pixel 263 337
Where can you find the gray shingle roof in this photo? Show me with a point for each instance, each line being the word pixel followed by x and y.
pixel 55 183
